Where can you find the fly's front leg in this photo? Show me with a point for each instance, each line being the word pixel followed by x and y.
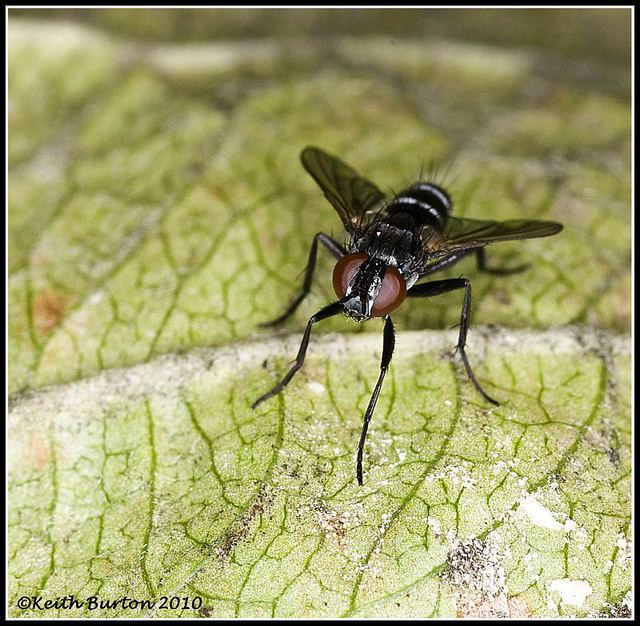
pixel 497 271
pixel 387 352
pixel 322 314
pixel 438 287
pixel 335 248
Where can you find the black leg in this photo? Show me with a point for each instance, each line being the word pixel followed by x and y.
pixel 498 271
pixel 438 287
pixel 335 248
pixel 387 352
pixel 446 261
pixel 322 314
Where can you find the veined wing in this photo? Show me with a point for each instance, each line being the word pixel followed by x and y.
pixel 351 195
pixel 462 233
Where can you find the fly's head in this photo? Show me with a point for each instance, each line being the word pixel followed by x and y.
pixel 367 287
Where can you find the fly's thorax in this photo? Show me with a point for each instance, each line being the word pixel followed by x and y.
pixel 395 241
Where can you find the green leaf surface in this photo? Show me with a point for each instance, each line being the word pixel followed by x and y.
pixel 160 480
pixel 159 212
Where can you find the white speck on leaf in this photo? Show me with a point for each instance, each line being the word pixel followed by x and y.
pixel 572 592
pixel 434 523
pixel 538 514
pixel 318 388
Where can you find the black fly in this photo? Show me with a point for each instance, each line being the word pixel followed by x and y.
pixel 392 246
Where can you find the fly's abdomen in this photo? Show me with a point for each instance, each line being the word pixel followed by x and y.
pixel 425 202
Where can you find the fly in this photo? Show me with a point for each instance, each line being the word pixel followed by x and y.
pixel 392 245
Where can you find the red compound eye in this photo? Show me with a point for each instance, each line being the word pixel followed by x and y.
pixel 345 269
pixel 391 294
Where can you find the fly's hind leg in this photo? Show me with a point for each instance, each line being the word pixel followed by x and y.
pixel 445 262
pixel 438 287
pixel 497 271
pixel 335 248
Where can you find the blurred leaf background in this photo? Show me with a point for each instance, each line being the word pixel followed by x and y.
pixel 164 138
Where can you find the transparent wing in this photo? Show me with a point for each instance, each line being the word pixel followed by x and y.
pixel 461 233
pixel 351 195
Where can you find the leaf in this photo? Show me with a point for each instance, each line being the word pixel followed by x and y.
pixel 158 213
pixel 160 480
